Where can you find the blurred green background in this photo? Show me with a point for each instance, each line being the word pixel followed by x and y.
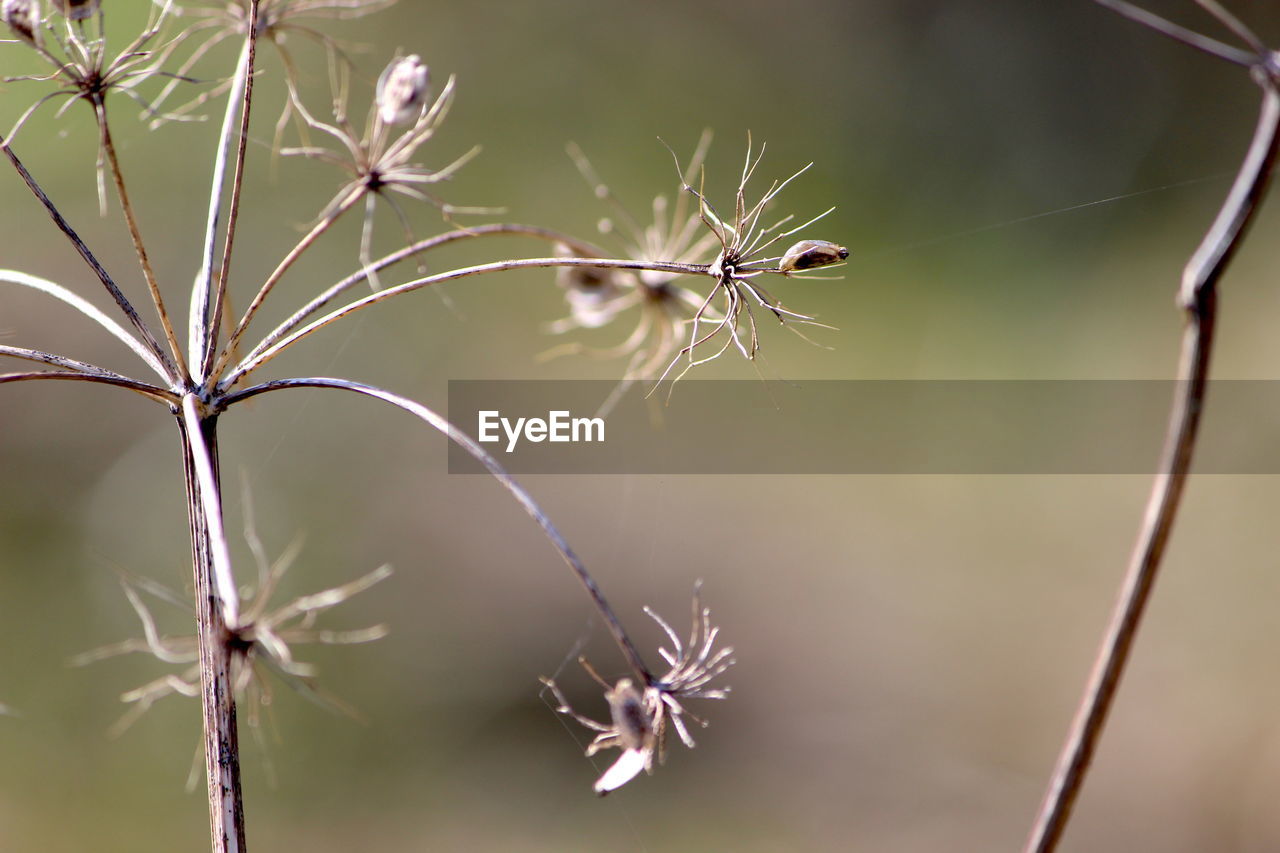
pixel 1019 184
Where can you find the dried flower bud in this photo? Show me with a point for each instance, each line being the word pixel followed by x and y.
pixel 402 90
pixel 77 10
pixel 808 254
pixel 22 16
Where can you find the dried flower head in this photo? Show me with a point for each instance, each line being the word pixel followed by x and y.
pixel 744 255
pixel 261 643
pixel 84 71
pixel 598 296
pixel 23 17
pixel 218 20
pixel 403 90
pixel 639 711
pixel 380 163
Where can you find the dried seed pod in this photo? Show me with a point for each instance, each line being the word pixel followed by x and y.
pixel 809 254
pixel 402 90
pixel 77 10
pixel 22 16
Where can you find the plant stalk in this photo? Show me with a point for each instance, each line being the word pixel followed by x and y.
pixel 1198 296
pixel 217 690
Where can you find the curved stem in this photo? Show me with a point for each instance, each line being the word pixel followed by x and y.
pixel 149 391
pixel 83 367
pixel 1199 298
pixel 169 371
pixel 135 235
pixel 305 243
pixel 86 308
pixel 409 251
pixel 256 359
pixel 1191 38
pixel 484 458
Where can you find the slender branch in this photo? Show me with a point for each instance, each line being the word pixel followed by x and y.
pixel 86 308
pixel 1191 38
pixel 1198 297
pixel 237 183
pixel 170 371
pixel 224 581
pixel 108 145
pixel 482 456
pixel 87 369
pixel 158 394
pixel 256 359
pixel 58 361
pixel 419 247
pixel 217 690
pixel 305 243
pixel 200 334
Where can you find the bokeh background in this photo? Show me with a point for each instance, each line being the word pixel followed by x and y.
pixel 1019 184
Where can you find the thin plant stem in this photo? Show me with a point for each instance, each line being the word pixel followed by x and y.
pixel 257 359
pixel 206 470
pixel 149 391
pixel 237 181
pixel 170 370
pixel 217 691
pixel 88 309
pixel 200 333
pixel 131 222
pixel 1198 297
pixel 419 247
pixel 62 361
pixel 1191 38
pixel 305 243
pixel 482 456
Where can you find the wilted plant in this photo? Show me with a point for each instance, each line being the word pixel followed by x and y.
pixel 640 709
pixel 197 384
pixel 599 296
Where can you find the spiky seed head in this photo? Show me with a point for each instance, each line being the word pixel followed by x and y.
pixel 22 16
pixel 810 254
pixel 403 89
pixel 77 10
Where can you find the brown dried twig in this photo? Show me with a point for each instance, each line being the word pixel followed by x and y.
pixel 1198 298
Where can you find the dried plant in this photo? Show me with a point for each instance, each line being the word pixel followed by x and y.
pixel 201 382
pixel 378 161
pixel 598 297
pixel 640 713
pixel 691 234
pixel 82 68
pixel 743 257
pixel 262 643
pixel 1198 297
pixel 215 21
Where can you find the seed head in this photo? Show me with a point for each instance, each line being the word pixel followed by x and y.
pixel 77 10
pixel 811 254
pixel 22 16
pixel 403 90
pixel 639 712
